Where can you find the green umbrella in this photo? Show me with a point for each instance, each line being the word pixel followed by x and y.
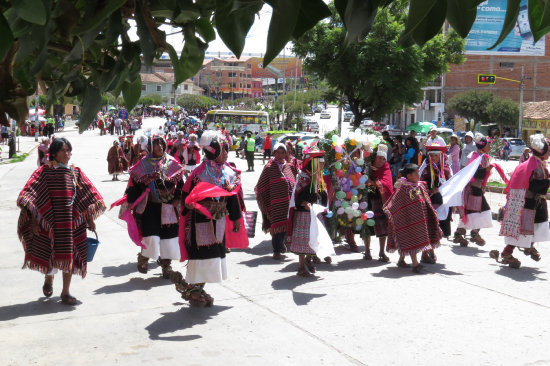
pixel 423 127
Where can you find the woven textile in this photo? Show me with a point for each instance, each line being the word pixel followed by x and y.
pixel 273 193
pixel 412 221
pixel 60 201
pixel 148 169
pixel 299 241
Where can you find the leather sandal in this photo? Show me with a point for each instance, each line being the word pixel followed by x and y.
pixel 47 288
pixel 309 265
pixel 383 258
pixel 367 256
pixel 302 272
pixel 68 299
pixel 417 268
pixel 402 264
pixel 533 252
pixel 142 263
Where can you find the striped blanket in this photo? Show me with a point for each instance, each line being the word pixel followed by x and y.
pixel 412 221
pixel 57 202
pixel 273 193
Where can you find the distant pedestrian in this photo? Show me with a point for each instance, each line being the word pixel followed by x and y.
pixel 468 148
pixel 249 153
pixel 525 155
pixel 267 148
pixel 454 154
pixel 116 160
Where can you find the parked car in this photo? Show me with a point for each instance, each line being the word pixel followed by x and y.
pixel 367 123
pixel 313 125
pixel 309 112
pixel 348 116
pixel 325 115
pixel 444 131
pixel 393 130
pixel 318 108
pixel 378 126
pixel 517 146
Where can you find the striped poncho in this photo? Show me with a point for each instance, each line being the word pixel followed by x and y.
pixel 273 193
pixel 57 202
pixel 412 221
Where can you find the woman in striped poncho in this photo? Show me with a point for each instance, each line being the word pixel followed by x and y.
pixel 273 193
pixel 57 204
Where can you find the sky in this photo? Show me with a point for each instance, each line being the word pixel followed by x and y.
pixel 255 41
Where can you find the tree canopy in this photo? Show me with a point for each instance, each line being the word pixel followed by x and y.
pixel 82 49
pixel 192 101
pixel 484 107
pixel 377 75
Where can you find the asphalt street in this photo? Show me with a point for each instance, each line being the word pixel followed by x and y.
pixel 465 310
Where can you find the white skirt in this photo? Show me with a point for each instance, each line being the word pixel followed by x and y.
pixel 542 233
pixel 206 270
pixel 477 220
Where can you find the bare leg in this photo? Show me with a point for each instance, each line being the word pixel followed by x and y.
pixel 382 255
pixel 66 283
pixel 366 242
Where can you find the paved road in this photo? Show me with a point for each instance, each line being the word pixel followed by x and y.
pixel 466 310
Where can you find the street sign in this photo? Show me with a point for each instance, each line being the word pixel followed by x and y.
pixel 486 79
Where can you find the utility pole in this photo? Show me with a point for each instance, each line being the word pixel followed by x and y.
pixel 36 122
pixel 521 87
pixel 284 80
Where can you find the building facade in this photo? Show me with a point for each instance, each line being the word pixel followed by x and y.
pixel 162 83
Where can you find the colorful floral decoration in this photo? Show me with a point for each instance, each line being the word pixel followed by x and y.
pixel 347 161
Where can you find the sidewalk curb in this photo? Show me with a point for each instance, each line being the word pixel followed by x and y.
pixel 8 161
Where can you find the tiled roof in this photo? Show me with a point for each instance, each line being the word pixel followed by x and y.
pixel 536 110
pixel 160 78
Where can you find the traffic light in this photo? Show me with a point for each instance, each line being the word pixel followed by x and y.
pixel 486 79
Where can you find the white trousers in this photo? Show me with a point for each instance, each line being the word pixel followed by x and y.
pixel 164 248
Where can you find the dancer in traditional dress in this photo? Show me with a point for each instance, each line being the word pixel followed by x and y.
pixel 191 154
pixel 434 175
pixel 273 192
pixel 139 150
pixel 116 160
pixel 525 219
pixel 43 149
pixel 156 181
pixel 477 212
pixel 310 189
pixel 57 204
pixel 380 184
pixel 412 221
pixel 205 238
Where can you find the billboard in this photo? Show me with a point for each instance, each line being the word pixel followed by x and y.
pixel 487 27
pixel 292 67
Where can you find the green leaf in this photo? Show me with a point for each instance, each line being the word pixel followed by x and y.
pixel 33 11
pixel 512 11
pixel 146 41
pixel 100 15
pixel 205 29
pixel 461 14
pixel 418 12
pixel 311 12
pixel 358 17
pixel 281 27
pixel 234 25
pixel 6 40
pixel 91 103
pixel 131 93
pixel 431 25
pixel 539 18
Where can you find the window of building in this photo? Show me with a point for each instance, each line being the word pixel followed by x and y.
pixel 143 87
pixel 172 101
pixel 248 66
pixel 249 76
pixel 159 87
pixel 240 74
pixel 248 86
pixel 185 87
pixel 240 85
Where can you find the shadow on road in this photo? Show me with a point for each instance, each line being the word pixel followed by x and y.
pixel 394 272
pixel 469 251
pixel 290 283
pixel 522 274
pixel 262 261
pixel 349 264
pixel 134 284
pixel 42 306
pixel 439 268
pixel 262 248
pixel 124 269
pixel 182 319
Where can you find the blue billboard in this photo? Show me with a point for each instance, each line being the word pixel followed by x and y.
pixel 487 27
